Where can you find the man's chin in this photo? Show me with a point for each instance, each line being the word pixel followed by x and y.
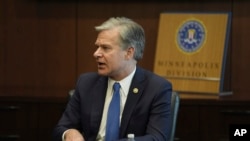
pixel 102 73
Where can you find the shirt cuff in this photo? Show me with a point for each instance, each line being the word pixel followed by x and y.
pixel 63 136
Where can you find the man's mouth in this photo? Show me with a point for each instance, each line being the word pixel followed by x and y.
pixel 100 64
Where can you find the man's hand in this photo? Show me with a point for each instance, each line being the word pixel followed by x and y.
pixel 73 135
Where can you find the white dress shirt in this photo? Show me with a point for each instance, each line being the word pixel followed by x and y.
pixel 125 84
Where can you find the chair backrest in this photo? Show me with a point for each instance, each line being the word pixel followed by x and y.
pixel 175 102
pixel 71 92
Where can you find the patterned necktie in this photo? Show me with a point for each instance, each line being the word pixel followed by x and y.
pixel 113 117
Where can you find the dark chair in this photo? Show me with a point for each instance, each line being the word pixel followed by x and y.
pixel 175 102
pixel 71 92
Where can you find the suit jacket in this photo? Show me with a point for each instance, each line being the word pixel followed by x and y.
pixel 146 113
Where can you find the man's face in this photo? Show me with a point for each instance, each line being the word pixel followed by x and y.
pixel 111 59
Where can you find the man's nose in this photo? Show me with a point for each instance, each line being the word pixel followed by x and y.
pixel 97 53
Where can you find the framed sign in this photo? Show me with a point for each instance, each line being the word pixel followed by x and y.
pixel 191 51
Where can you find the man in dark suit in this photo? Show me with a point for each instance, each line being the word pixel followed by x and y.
pixel 144 97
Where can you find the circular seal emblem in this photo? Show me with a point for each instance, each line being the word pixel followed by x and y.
pixel 191 36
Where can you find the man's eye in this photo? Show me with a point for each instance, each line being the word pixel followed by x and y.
pixel 105 48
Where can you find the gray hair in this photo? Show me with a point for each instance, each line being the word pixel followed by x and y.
pixel 131 34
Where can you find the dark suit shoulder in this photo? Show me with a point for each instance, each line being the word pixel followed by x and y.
pixel 89 75
pixel 90 78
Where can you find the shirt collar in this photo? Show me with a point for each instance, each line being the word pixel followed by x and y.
pixel 125 82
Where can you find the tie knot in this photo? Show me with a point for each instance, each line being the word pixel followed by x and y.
pixel 116 86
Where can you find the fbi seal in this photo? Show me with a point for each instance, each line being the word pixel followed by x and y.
pixel 191 36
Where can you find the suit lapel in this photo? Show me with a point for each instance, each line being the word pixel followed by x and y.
pixel 98 99
pixel 135 92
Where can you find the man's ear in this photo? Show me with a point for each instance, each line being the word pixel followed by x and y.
pixel 130 53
